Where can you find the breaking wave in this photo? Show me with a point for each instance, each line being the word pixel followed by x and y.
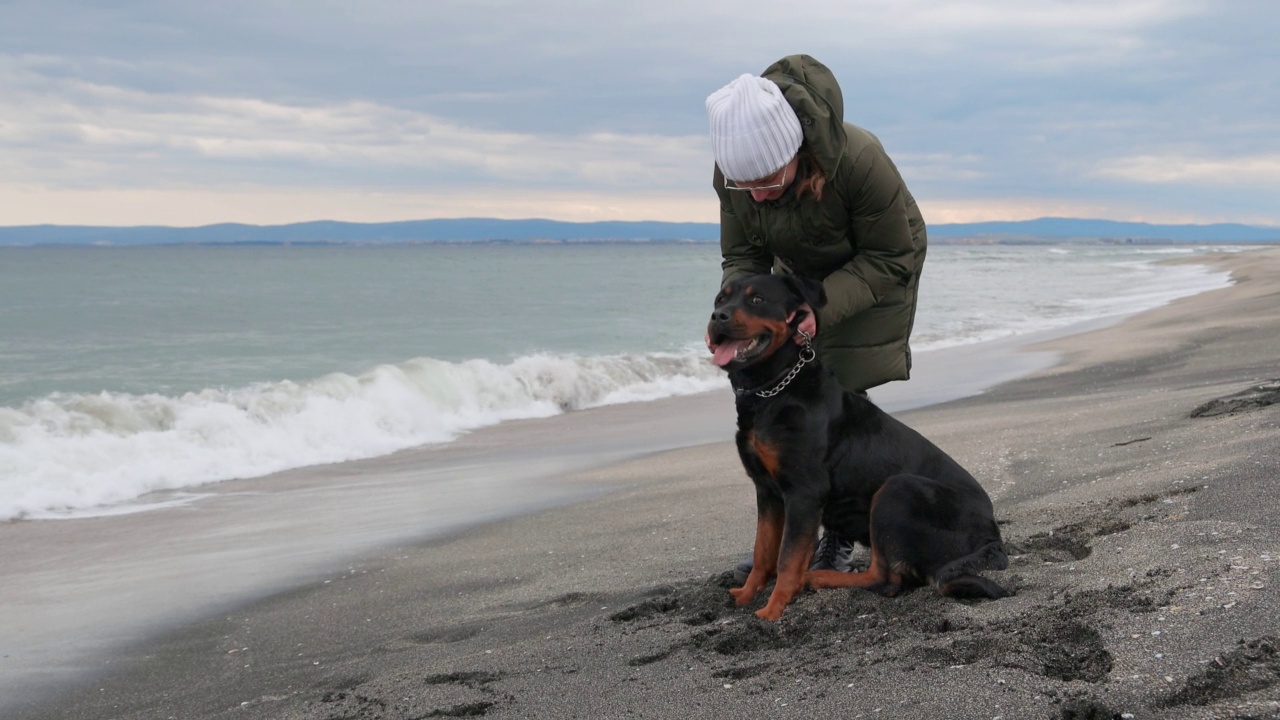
pixel 67 452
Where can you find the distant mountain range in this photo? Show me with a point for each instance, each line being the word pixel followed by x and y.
pixel 492 230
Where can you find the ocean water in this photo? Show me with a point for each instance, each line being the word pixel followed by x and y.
pixel 129 370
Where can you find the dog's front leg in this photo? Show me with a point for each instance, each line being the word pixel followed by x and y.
pixel 764 558
pixel 799 537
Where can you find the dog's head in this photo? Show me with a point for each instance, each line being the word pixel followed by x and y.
pixel 757 315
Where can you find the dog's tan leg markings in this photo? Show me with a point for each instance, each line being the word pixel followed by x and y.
pixel 765 556
pixel 791 576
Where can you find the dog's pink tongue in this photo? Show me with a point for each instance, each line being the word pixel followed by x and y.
pixel 725 351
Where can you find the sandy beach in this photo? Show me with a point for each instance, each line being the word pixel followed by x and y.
pixel 1136 485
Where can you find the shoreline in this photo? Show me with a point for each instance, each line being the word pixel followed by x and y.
pixel 686 480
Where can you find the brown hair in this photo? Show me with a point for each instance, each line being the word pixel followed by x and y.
pixel 809 177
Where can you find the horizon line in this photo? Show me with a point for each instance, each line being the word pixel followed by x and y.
pixel 607 222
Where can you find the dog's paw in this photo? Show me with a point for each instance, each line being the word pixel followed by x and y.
pixel 742 595
pixel 770 613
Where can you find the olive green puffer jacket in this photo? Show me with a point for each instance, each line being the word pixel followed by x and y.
pixel 865 240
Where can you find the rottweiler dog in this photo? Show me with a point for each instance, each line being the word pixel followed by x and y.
pixel 820 455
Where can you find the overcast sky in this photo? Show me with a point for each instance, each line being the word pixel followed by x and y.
pixel 179 112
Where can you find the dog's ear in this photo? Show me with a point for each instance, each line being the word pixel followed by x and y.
pixel 810 291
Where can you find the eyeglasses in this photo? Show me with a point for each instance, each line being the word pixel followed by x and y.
pixel 748 187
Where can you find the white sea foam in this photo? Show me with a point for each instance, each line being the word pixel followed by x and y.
pixel 65 453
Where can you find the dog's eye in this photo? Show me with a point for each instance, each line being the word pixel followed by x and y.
pixel 756 300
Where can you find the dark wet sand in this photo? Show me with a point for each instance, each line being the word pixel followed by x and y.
pixel 1144 536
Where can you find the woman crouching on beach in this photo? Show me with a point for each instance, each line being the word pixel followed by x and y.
pixel 804 193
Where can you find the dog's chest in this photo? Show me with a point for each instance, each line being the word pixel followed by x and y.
pixel 762 445
pixel 760 452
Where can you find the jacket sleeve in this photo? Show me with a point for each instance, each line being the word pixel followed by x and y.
pixel 739 257
pixel 885 253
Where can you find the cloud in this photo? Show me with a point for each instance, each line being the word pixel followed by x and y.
pixel 1070 21
pixel 1256 171
pixel 173 135
pixel 1009 103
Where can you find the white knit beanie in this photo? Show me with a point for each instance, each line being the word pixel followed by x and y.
pixel 754 131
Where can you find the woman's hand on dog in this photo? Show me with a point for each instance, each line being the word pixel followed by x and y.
pixel 808 326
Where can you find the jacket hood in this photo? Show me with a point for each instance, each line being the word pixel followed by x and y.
pixel 812 91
